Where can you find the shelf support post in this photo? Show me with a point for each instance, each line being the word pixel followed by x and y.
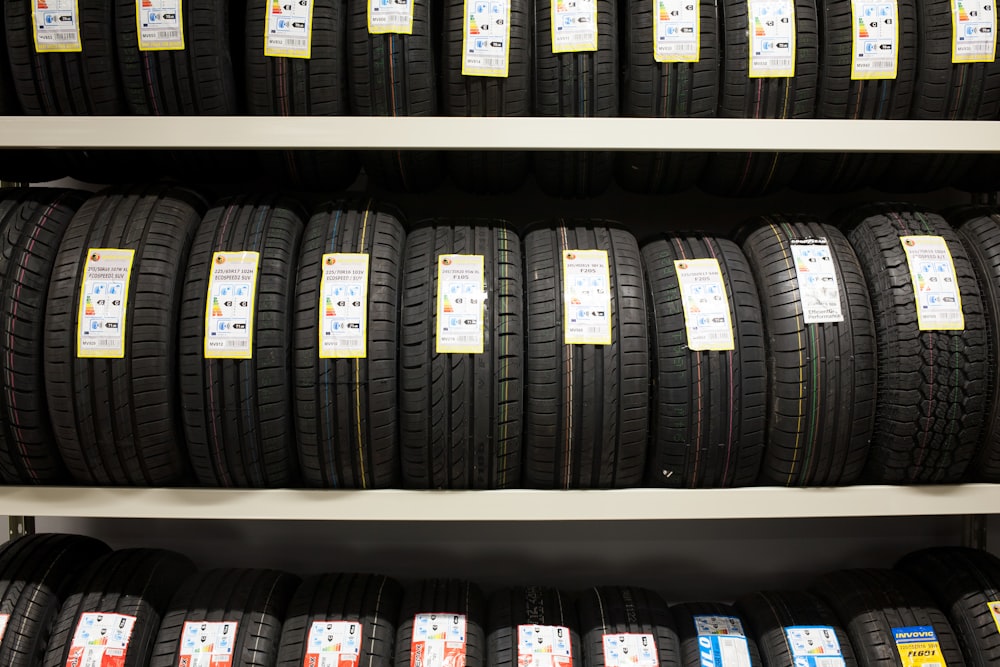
pixel 974 533
pixel 19 526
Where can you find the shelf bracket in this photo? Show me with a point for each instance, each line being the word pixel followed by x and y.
pixel 985 198
pixel 974 533
pixel 19 526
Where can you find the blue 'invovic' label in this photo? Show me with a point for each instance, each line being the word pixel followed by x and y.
pixel 914 634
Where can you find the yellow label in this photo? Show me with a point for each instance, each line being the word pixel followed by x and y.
pixel 707 318
pixel 676 31
pixel 586 297
pixel 390 16
pixel 230 304
pixel 918 646
pixel 935 286
pixel 874 39
pixel 56 26
pixel 973 31
pixel 995 611
pixel 461 296
pixel 103 305
pixel 343 306
pixel 486 38
pixel 772 38
pixel 288 29
pixel 574 25
pixel 160 25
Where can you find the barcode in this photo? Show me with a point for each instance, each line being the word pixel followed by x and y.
pixel 457 339
pixel 291 42
pixel 678 48
pixel 57 37
pixel 974 47
pixel 834 662
pixel 229 344
pixel 720 335
pixel 100 343
pixel 875 64
pixel 162 35
pixel 488 61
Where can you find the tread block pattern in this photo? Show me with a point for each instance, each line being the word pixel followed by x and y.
pixel 445 597
pixel 612 610
pixel 691 650
pixel 533 605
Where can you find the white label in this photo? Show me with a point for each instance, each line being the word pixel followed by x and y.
pixel 772 38
pixel 544 646
pixel 160 25
pixel 206 644
pixel 104 304
pixel 460 302
pixel 875 39
pixel 229 307
pixel 586 297
pixel 574 25
pixel 974 31
pixel 100 640
pixel 486 43
pixel 814 646
pixel 4 620
pixel 343 306
pixel 676 31
pixel 438 640
pixel 816 274
pixel 706 304
pixel 721 642
pixel 333 644
pixel 630 650
pixel 56 26
pixel 935 286
pixel 289 29
pixel 390 16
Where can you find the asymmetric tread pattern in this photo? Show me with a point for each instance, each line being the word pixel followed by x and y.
pixel 445 599
pixel 610 610
pixel 693 652
pixel 512 608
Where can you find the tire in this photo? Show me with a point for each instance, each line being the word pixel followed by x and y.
pixel 372 601
pixel 652 89
pixel 840 97
pixel 461 414
pixel 109 433
pixel 932 385
pixel 584 85
pixel 822 381
pixel 131 582
pixel 393 75
pixel 608 611
pixel 965 584
pixel 768 615
pixel 254 601
pixel 707 423
pixel 86 83
pixel 979 230
pixel 488 172
pixel 316 86
pixel 698 649
pixel 586 406
pixel 756 174
pixel 446 598
pixel 513 608
pixel 37 573
pixel 32 222
pixel 872 603
pixel 238 413
pixel 341 447
pixel 199 80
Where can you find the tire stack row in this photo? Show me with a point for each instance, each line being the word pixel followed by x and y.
pixel 67 599
pixel 226 68
pixel 582 361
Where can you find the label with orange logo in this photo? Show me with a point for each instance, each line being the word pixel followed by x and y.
pixel 103 306
pixel 707 318
pixel 100 640
pixel 230 304
pixel 159 25
pixel 438 640
pixel 544 646
pixel 288 27
pixel 995 611
pixel 574 25
pixel 461 299
pixel 56 26
pixel 630 650
pixel 586 297
pixel 935 286
pixel 333 644
pixel 205 644
pixel 343 306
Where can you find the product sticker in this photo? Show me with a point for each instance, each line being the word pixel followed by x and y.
pixel 229 305
pixel 974 31
pixel 586 297
pixel 817 278
pixel 438 640
pixel 461 298
pixel 206 644
pixel 630 650
pixel 4 620
pixel 918 646
pixel 390 16
pixel 875 39
pixel 333 644
pixel 343 306
pixel 772 38
pixel 706 305
pixel 935 287
pixel 544 646
pixel 289 29
pixel 56 26
pixel 104 303
pixel 485 41
pixel 100 640
pixel 994 609
pixel 676 31
pixel 814 646
pixel 159 25
pixel 574 25
pixel 722 642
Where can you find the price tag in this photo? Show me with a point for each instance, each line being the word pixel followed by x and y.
pixel 875 39
pixel 390 16
pixel 289 29
pixel 574 25
pixel 486 41
pixel 160 25
pixel 206 644
pixel 974 31
pixel 772 38
pixel 816 275
pixel 630 650
pixel 935 286
pixel 56 26
pixel 706 304
pixel 814 646
pixel 544 646
pixel 918 646
pixel 230 304
pixel 438 640
pixel 103 303
pixel 586 297
pixel 333 644
pixel 100 640
pixel 461 299
pixel 676 31
pixel 343 306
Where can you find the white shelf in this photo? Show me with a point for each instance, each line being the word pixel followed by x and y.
pixel 716 134
pixel 512 505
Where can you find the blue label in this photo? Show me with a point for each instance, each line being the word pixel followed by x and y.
pixel 914 634
pixel 712 653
